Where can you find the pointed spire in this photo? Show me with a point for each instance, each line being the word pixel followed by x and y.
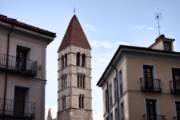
pixel 49 117
pixel 74 36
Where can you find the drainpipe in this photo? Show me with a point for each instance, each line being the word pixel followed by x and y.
pixel 6 72
pixel 118 96
pixel 108 107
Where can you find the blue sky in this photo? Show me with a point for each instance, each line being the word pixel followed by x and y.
pixel 107 23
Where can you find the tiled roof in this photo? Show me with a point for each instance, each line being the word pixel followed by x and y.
pixel 15 22
pixel 74 36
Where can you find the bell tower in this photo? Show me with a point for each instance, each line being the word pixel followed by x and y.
pixel 74 75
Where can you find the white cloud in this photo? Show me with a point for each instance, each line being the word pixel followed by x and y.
pixel 142 27
pixel 90 27
pixel 97 116
pixel 107 44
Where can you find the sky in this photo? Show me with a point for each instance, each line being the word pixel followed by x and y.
pixel 107 24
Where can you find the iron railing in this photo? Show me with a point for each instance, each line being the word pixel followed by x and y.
pixel 175 87
pixel 27 66
pixel 176 118
pixel 157 117
pixel 153 85
pixel 28 109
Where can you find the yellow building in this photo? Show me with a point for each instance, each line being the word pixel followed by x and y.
pixel 143 83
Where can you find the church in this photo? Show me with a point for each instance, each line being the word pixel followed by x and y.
pixel 74 74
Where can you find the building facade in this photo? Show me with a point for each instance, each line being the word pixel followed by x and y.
pixel 22 70
pixel 74 75
pixel 143 83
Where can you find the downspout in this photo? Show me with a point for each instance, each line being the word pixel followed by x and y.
pixel 6 71
pixel 108 107
pixel 118 96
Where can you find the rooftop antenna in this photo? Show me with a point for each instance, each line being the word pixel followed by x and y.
pixel 158 17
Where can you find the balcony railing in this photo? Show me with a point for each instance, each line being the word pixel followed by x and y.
pixel 150 85
pixel 157 117
pixel 27 67
pixel 28 110
pixel 175 87
pixel 176 118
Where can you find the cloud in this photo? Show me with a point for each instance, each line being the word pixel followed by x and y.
pixel 142 27
pixel 107 44
pixel 97 116
pixel 90 27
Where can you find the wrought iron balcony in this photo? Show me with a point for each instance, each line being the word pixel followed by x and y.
pixel 175 87
pixel 176 118
pixel 26 67
pixel 150 85
pixel 157 117
pixel 25 110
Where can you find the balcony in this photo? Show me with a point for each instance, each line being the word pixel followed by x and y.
pixel 157 117
pixel 26 67
pixel 176 118
pixel 150 85
pixel 175 87
pixel 24 111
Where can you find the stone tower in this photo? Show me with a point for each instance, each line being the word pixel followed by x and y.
pixel 74 75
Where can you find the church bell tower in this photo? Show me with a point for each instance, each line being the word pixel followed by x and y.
pixel 74 75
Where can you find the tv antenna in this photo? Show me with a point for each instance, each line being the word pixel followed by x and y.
pixel 158 17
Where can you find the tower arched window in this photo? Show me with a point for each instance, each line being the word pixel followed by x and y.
pixel 65 60
pixel 83 60
pixel 81 101
pixel 62 61
pixel 64 81
pixel 63 102
pixel 81 81
pixel 78 60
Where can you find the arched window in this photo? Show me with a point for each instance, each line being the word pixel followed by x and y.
pixel 62 61
pixel 81 81
pixel 78 59
pixel 81 101
pixel 83 60
pixel 63 102
pixel 65 60
pixel 64 81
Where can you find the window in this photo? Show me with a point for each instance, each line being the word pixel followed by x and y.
pixel 148 77
pixel 111 116
pixel 22 57
pixel 122 111
pixel 81 81
pixel 81 101
pixel 63 102
pixel 167 46
pixel 65 60
pixel 120 83
pixel 116 114
pixel 115 89
pixel 78 59
pixel 62 61
pixel 63 82
pixel 110 95
pixel 176 79
pixel 83 60
pixel 20 100
pixel 178 110
pixel 151 109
